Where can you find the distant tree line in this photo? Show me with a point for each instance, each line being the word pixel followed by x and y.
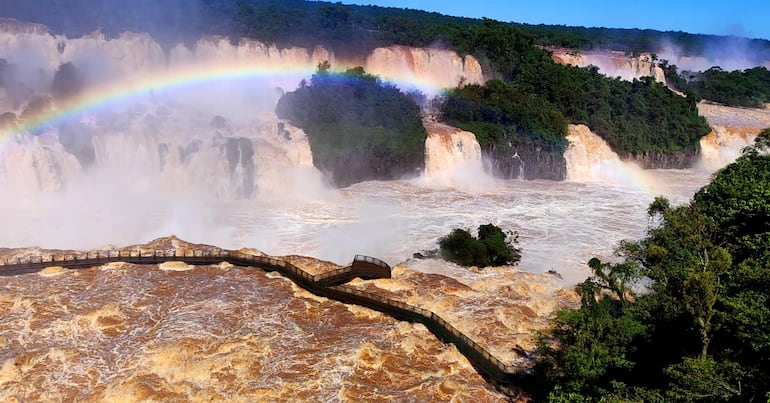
pixel 343 28
pixel 635 41
pixel 749 88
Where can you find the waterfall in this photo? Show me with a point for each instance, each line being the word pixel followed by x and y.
pixel 590 159
pixel 219 136
pixel 33 163
pixel 161 149
pixel 732 129
pixel 427 68
pixel 453 158
pixel 723 145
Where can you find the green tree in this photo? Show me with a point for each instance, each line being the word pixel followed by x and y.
pixel 586 353
pixel 698 328
pixel 492 247
pixel 461 247
pixel 359 127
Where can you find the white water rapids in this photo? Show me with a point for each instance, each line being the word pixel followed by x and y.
pixel 561 224
pixel 164 165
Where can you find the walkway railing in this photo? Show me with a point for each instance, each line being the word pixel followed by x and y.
pixel 326 285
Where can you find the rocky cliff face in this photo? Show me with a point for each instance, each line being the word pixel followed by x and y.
pixel 526 162
pixel 658 160
pixel 612 64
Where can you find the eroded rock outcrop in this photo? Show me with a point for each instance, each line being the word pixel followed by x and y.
pixel 526 162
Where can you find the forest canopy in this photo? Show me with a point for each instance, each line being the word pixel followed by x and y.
pixel 535 96
pixel 749 88
pixel 359 127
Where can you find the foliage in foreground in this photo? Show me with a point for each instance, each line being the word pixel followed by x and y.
pixel 685 316
pixel 492 247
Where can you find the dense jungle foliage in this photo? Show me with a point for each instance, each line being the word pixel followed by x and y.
pixel 684 316
pixel 359 127
pixel 492 247
pixel 749 88
pixel 633 117
pixel 497 113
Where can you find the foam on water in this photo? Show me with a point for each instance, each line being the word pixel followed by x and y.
pixel 161 162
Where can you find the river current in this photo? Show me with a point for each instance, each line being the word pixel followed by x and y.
pixel 184 142
pixel 560 224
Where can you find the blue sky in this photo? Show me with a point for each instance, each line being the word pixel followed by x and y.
pixel 750 18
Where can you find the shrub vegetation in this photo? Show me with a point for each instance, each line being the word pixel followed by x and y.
pixel 492 247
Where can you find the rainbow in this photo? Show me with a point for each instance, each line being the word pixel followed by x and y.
pixel 134 88
pixel 140 87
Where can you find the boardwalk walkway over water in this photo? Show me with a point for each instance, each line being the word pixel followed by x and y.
pixel 329 285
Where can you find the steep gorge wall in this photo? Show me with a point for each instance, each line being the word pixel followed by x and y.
pixel 664 160
pixel 526 162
